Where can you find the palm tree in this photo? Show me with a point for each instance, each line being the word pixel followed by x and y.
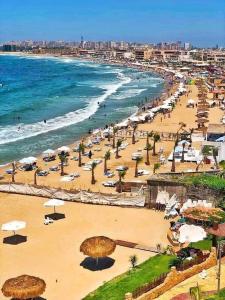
pixel 80 151
pixel 149 134
pixel 215 154
pixel 156 167
pixel 106 157
pixel 183 147
pixel 133 134
pixel 138 160
pixel 13 172
pixel 115 129
pixel 93 166
pixel 133 260
pixel 191 132
pixel 148 148
pixel 37 170
pixel 63 159
pixel 121 176
pixel 156 138
pixel 182 125
pixel 118 144
pixel 206 151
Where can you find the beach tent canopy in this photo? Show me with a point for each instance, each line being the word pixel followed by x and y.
pixel 48 152
pixel 191 234
pixel 64 149
pixel 23 287
pixel 13 226
pixel 28 160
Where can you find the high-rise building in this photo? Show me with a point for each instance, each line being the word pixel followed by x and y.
pixel 187 46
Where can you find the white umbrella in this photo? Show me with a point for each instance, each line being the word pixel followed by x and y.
pixel 13 226
pixel 64 149
pixel 191 101
pixel 48 152
pixel 54 203
pixel 191 233
pixel 28 160
pixel 181 143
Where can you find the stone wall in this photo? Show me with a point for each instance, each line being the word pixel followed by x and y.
pixel 175 277
pixel 182 191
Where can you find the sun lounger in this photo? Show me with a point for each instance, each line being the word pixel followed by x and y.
pixel 48 221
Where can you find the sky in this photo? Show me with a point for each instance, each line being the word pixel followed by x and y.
pixel 201 22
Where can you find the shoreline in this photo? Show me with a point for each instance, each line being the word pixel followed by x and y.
pixel 103 62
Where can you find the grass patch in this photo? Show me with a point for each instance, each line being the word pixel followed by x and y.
pixel 220 296
pixel 202 245
pixel 211 181
pixel 116 288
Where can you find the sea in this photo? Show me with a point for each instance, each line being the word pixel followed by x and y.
pixel 47 102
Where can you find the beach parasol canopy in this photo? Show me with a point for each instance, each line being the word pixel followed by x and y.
pixel 64 149
pixel 191 234
pixel 13 226
pixel 23 287
pixel 48 152
pixel 219 230
pixel 28 160
pixel 191 101
pixel 98 246
pixel 54 203
pixel 183 142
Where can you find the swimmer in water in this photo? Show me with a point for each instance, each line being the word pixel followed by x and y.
pixel 45 121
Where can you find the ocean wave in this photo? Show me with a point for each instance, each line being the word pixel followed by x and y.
pixel 130 109
pixel 128 93
pixel 9 134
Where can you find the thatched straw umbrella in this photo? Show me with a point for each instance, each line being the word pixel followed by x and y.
pixel 23 287
pixel 98 247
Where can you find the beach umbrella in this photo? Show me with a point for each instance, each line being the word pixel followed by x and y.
pixel 23 287
pixel 54 203
pixel 28 160
pixel 191 101
pixel 183 142
pixel 13 226
pixel 98 247
pixel 202 120
pixel 191 233
pixel 64 149
pixel 179 149
pixel 48 152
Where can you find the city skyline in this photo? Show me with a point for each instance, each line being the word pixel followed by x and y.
pixel 144 22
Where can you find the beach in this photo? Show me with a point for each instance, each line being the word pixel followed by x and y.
pixel 52 252
pixel 161 123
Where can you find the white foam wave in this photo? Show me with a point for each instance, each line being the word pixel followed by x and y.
pixel 9 134
pixel 128 93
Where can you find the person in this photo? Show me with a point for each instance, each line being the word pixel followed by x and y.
pixel 45 121
pixel 90 154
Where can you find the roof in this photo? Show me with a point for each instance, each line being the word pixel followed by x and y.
pixel 219 231
pixel 216 128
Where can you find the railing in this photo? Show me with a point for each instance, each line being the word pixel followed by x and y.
pixel 149 286
pixel 186 265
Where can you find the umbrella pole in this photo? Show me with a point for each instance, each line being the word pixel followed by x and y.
pixel 14 232
pixel 54 209
pixel 96 261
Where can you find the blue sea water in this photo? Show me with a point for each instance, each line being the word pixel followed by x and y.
pixel 73 96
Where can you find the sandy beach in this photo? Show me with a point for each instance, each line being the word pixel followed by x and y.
pixel 159 124
pixel 52 252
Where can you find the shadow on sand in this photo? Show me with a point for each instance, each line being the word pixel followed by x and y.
pixel 55 216
pixel 15 239
pixel 37 298
pixel 102 264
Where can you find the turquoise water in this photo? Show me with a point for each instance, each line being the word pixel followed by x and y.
pixel 48 102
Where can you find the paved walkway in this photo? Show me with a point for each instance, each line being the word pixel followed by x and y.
pixel 136 246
